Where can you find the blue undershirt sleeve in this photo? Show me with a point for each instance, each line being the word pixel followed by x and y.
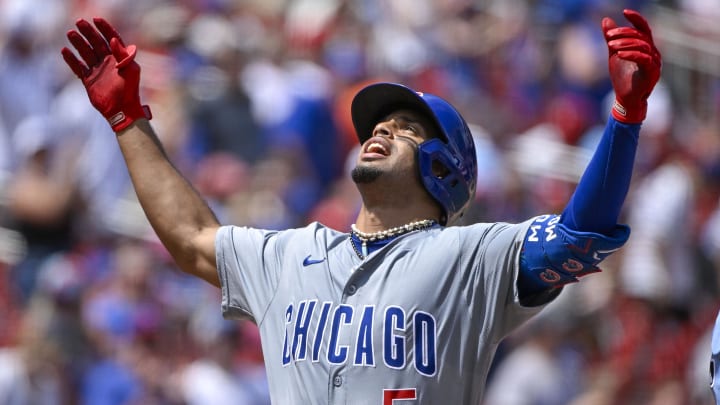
pixel 595 206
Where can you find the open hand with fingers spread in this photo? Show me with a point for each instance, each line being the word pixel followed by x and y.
pixel 634 64
pixel 109 72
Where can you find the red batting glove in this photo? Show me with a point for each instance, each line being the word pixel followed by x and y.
pixel 635 65
pixel 109 72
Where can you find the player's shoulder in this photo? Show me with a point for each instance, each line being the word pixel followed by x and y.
pixel 312 233
pixel 313 230
pixel 474 235
pixel 486 228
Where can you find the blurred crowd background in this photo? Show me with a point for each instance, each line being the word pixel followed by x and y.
pixel 251 100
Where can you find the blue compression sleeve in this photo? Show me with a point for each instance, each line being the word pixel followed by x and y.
pixel 595 206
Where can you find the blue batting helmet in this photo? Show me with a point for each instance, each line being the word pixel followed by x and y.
pixel 453 147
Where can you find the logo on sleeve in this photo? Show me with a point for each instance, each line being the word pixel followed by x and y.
pixel 308 261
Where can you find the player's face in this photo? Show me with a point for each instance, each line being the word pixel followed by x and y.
pixel 393 146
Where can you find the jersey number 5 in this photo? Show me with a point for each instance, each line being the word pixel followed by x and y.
pixel 389 396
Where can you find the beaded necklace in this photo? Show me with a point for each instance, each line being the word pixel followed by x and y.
pixel 383 236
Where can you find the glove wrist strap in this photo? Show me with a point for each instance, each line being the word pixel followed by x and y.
pixel 124 119
pixel 629 116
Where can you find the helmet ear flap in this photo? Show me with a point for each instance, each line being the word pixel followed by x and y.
pixel 442 175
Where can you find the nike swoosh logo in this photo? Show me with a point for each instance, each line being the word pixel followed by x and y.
pixel 603 252
pixel 308 261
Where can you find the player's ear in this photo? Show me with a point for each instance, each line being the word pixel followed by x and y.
pixel 439 170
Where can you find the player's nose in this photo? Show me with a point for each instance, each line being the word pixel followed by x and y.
pixel 384 128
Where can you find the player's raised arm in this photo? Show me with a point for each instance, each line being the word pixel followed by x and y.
pixel 587 231
pixel 634 65
pixel 177 213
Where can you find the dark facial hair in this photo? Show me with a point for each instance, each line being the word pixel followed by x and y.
pixel 364 174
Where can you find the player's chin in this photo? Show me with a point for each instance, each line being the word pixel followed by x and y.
pixel 365 173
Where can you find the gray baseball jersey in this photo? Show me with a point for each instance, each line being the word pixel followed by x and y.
pixel 418 320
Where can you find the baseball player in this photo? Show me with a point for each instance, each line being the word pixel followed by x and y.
pixel 402 307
